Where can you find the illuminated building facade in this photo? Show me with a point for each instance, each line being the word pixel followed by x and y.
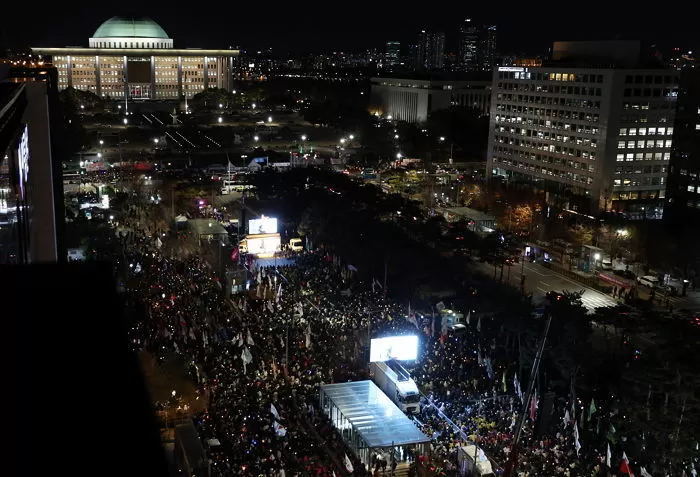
pixel 414 99
pixel 133 58
pixel 592 138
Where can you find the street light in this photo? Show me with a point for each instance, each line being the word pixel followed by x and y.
pixel 155 140
pixel 303 137
pixel 442 138
pixel 125 121
pixel 352 136
pixel 399 155
pixel 269 119
pixel 221 120
pixel 342 140
pixel 256 138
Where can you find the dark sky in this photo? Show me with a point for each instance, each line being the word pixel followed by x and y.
pixel 332 25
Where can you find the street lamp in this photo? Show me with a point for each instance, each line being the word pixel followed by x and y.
pixel 352 136
pixel 442 138
pixel 221 120
pixel 125 121
pixel 269 119
pixel 399 155
pixel 155 140
pixel 303 137
pixel 342 140
pixel 256 138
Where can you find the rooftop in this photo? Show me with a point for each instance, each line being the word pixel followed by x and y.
pixel 130 27
pixel 377 419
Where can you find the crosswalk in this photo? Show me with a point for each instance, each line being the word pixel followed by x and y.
pixel 592 300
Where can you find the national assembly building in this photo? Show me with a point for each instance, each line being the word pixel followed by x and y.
pixel 133 58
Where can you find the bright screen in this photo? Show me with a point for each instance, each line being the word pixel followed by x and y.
pixel 264 246
pixel 403 348
pixel 264 225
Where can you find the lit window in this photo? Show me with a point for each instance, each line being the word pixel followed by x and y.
pixel 662 131
pixel 630 144
pixel 629 156
pixel 691 188
pixel 652 131
pixel 620 157
pixel 669 131
pixel 640 144
pixel 633 131
pixel 623 132
pixel 697 127
pixel 668 143
pixel 620 144
pixel 667 156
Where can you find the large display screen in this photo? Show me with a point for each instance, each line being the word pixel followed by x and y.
pixel 265 245
pixel 402 348
pixel 263 225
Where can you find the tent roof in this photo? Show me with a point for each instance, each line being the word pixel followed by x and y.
pixel 377 419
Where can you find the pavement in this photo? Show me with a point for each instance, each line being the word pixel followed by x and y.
pixel 540 280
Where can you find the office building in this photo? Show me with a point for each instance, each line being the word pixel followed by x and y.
pixel 594 137
pixel 430 50
pixel 413 99
pixel 392 54
pixel 31 191
pixel 133 58
pixel 683 205
pixel 477 47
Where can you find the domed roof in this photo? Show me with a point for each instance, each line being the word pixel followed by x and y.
pixel 130 27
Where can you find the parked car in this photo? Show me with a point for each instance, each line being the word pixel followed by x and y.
pixel 625 274
pixel 648 281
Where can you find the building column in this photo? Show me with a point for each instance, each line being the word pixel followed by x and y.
pixel 152 93
pixel 98 77
pixel 179 78
pixel 126 79
pixel 69 70
pixel 206 73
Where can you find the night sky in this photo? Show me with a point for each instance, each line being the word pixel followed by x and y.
pixel 524 27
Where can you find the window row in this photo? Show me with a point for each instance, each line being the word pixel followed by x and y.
pixel 549 113
pixel 640 169
pixel 549 136
pixel 651 92
pixel 541 76
pixel 646 105
pixel 650 79
pixel 641 181
pixel 641 194
pixel 556 89
pixel 644 144
pixel 587 129
pixel 650 131
pixel 643 156
pixel 547 171
pixel 544 158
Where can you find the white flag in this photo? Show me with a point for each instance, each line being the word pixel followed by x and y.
pixel 279 429
pixel 608 456
pixel 274 412
pixel 478 325
pixel 567 418
pixel 577 444
pixel 469 315
pixel 249 340
pixel 348 464
pixel 643 472
pixel 308 335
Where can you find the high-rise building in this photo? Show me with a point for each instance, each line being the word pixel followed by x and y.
pixel 392 54
pixel 31 190
pixel 594 137
pixel 135 58
pixel 486 54
pixel 430 50
pixel 683 206
pixel 468 46
pixel 477 46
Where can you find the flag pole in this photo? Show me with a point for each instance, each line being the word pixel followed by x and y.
pixel 512 462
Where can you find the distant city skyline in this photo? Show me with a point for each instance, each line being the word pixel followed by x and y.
pixel 314 28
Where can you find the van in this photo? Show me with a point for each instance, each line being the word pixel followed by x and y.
pixel 606 264
pixel 296 245
pixel 648 281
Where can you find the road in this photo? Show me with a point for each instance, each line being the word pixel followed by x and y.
pixel 540 280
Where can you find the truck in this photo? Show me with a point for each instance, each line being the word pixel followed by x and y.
pixel 397 384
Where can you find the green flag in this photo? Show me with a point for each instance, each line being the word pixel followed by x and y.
pixel 504 382
pixel 591 409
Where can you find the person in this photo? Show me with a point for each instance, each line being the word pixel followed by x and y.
pixel 614 291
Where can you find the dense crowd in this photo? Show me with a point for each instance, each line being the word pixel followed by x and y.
pixel 259 358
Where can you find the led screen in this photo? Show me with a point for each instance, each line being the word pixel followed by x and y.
pixel 264 225
pixel 264 246
pixel 403 348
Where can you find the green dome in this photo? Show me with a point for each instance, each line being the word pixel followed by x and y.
pixel 130 27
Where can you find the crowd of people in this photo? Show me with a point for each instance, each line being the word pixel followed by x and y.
pixel 258 360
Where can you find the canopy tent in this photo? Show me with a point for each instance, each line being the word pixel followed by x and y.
pixel 370 414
